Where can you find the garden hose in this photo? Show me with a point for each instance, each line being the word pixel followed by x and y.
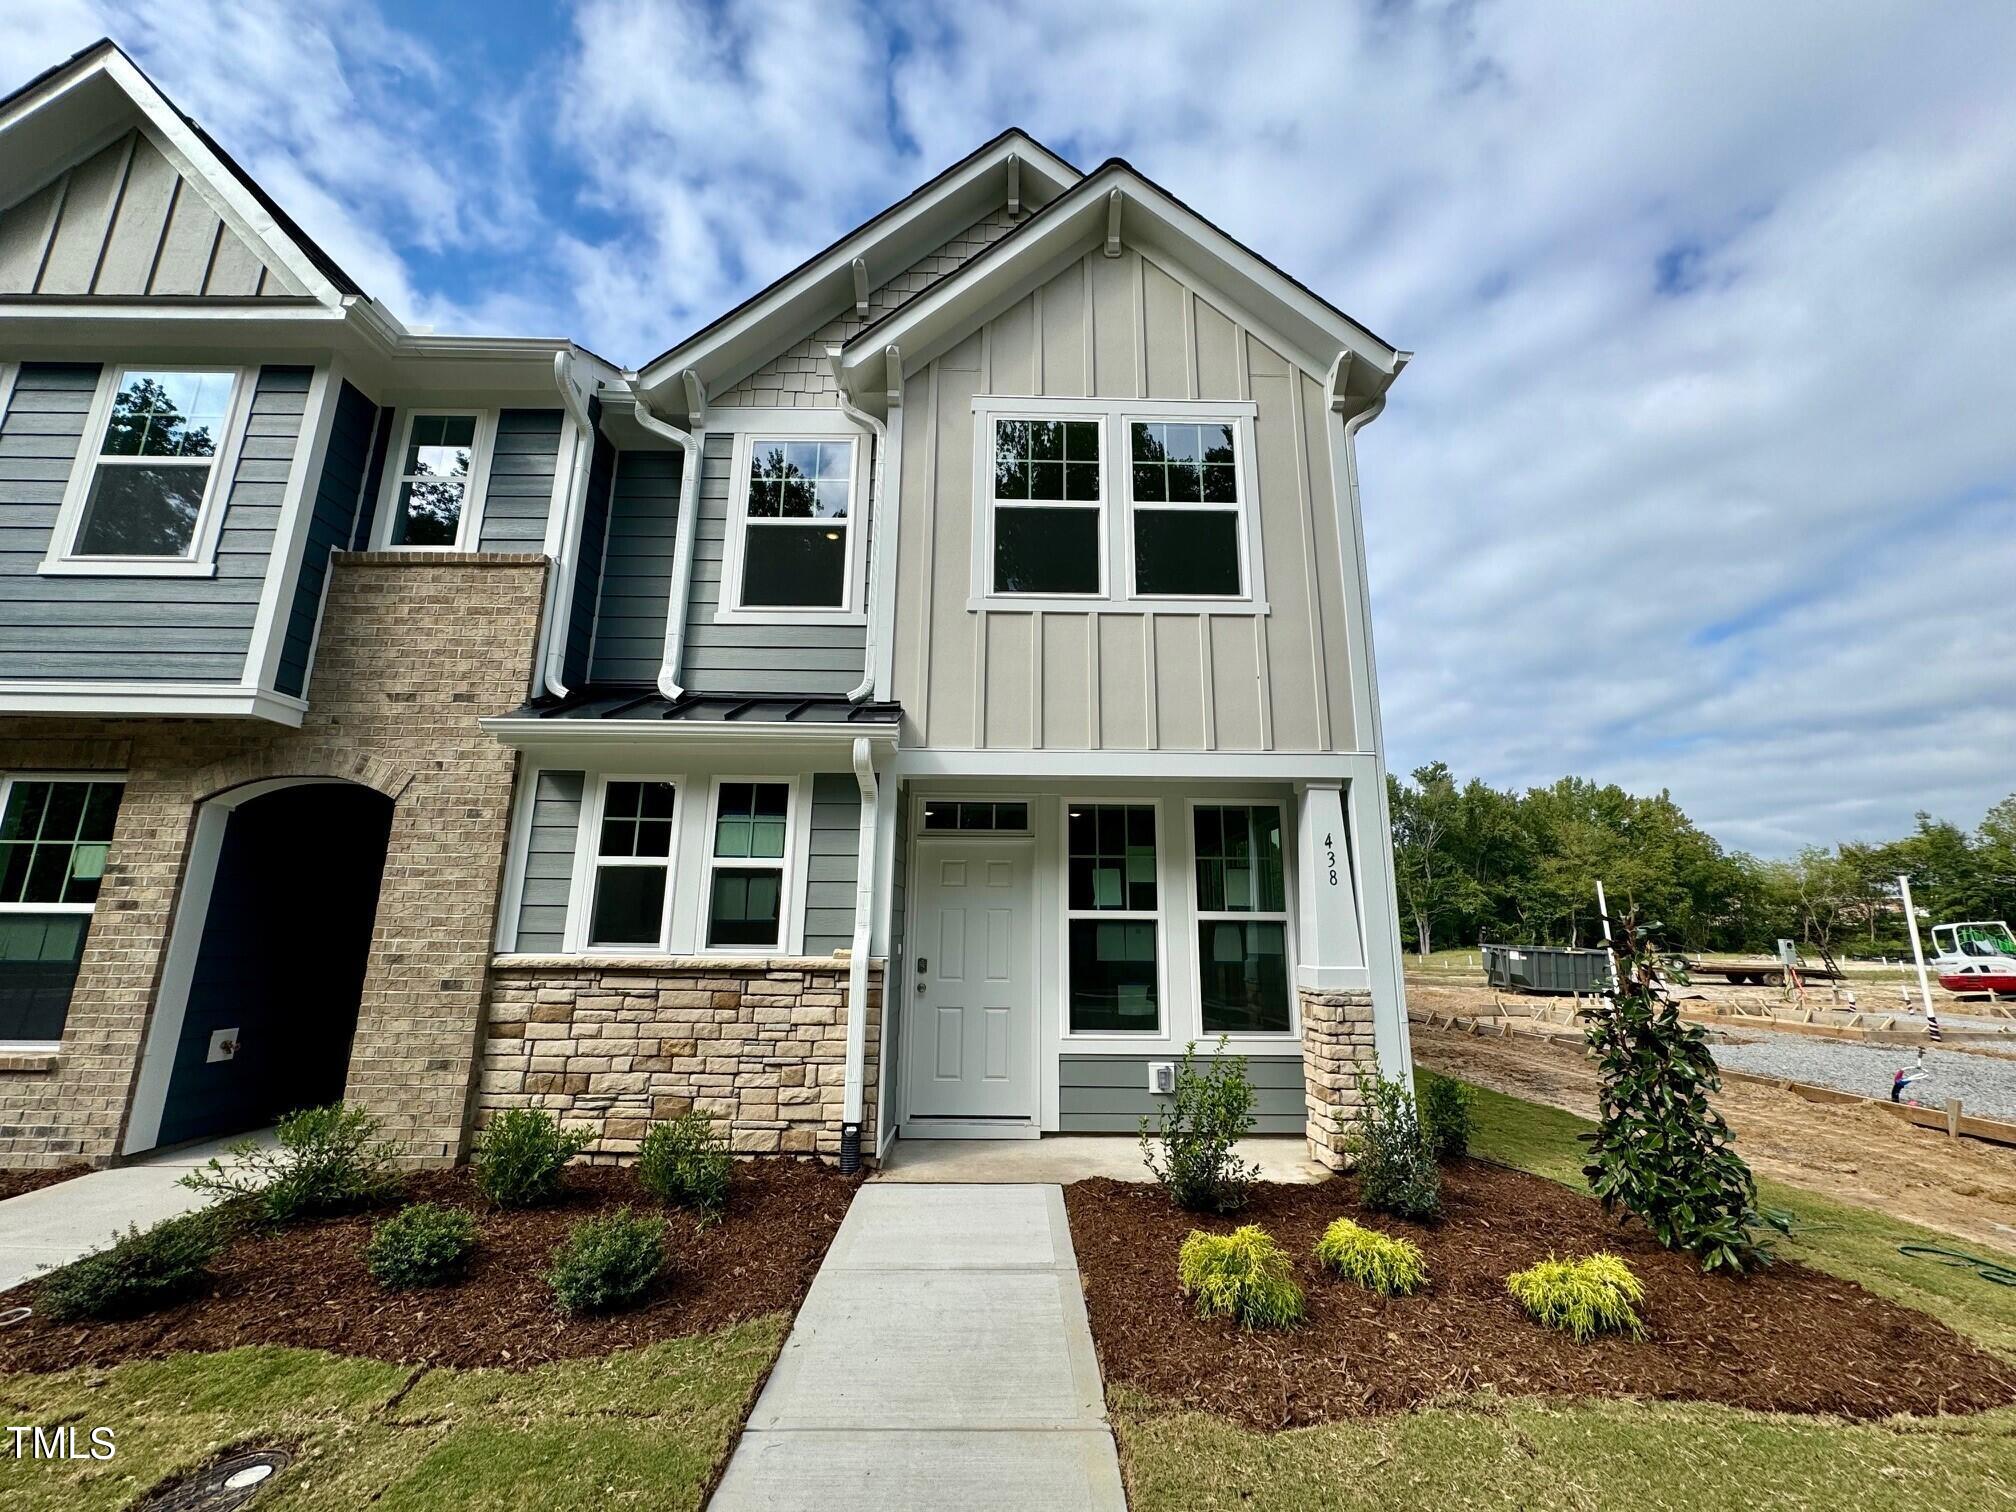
pixel 1987 1270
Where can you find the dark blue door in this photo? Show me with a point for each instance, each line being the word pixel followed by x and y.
pixel 281 961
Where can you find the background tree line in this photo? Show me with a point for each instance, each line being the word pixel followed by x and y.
pixel 1476 864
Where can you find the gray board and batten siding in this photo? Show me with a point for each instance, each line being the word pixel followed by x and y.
pixel 125 222
pixel 833 853
pixel 1108 1094
pixel 141 629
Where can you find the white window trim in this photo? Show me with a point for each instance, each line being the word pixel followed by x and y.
pixel 45 1047
pixel 475 492
pixel 791 885
pixel 750 428
pixel 1160 917
pixel 1261 1040
pixel 62 559
pixel 1254 598
pixel 588 864
pixel 1116 536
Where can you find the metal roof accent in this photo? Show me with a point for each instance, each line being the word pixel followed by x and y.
pixel 631 704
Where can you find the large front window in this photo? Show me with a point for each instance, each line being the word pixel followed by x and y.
pixel 752 835
pixel 1113 913
pixel 1242 920
pixel 797 523
pixel 1048 515
pixel 55 835
pixel 155 468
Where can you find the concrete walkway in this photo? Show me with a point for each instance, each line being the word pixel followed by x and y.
pixel 942 1360
pixel 1065 1158
pixel 60 1223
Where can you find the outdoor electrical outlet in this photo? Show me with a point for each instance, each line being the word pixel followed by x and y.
pixel 1161 1076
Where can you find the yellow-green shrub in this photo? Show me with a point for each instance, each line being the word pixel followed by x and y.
pixel 1583 1297
pixel 1378 1262
pixel 1243 1275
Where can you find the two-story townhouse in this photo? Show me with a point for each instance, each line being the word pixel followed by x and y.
pixel 977 613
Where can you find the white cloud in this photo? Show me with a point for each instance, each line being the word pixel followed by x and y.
pixel 1702 479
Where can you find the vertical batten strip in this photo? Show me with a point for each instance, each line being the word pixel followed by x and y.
pixel 56 203
pixel 1207 682
pixel 1311 580
pixel 930 555
pixel 112 209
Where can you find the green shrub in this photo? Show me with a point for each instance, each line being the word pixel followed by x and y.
pixel 1582 1297
pixel 422 1245
pixel 1378 1262
pixel 607 1263
pixel 1396 1173
pixel 686 1163
pixel 1243 1275
pixel 330 1160
pixel 1660 1151
pixel 1448 1114
pixel 519 1157
pixel 1210 1112
pixel 139 1271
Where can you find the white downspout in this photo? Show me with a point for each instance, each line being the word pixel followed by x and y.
pixel 853 1096
pixel 563 548
pixel 878 437
pixel 682 546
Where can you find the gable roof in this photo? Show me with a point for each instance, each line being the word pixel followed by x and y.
pixel 66 117
pixel 1117 203
pixel 732 346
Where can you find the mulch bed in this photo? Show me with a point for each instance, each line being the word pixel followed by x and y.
pixel 307 1286
pixel 14 1183
pixel 1786 1339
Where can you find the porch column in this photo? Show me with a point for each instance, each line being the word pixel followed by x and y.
pixel 1333 985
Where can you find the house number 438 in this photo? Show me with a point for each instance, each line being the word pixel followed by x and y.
pixel 1330 856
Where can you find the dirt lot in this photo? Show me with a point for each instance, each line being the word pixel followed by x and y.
pixel 1959 1186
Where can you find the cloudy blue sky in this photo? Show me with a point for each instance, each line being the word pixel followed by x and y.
pixel 1702 479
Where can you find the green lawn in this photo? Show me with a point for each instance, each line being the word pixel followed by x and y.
pixel 1517 1452
pixel 638 1428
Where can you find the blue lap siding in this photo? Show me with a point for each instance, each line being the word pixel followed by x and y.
pixel 338 496
pixel 164 629
pixel 637 570
pixel 520 493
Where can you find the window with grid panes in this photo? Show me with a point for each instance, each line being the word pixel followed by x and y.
pixel 55 837
pixel 1242 919
pixel 1048 506
pixel 1113 914
pixel 752 832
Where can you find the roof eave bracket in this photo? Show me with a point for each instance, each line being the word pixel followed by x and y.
pixel 1113 224
pixel 861 288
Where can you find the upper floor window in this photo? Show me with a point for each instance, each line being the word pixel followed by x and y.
pixel 434 490
pixel 1048 507
pixel 55 837
pixel 147 492
pixel 794 550
pixel 1146 506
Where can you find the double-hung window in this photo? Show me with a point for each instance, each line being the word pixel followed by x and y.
pixel 633 865
pixel 794 548
pixel 1242 919
pixel 1048 513
pixel 55 835
pixel 149 483
pixel 433 493
pixel 750 844
pixel 1113 917
pixel 1188 536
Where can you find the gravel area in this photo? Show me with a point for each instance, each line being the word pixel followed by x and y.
pixel 1986 1084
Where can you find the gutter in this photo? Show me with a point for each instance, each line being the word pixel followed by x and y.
pixel 563 546
pixel 878 437
pixel 682 547
pixel 853 1096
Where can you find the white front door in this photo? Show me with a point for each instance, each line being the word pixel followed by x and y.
pixel 970 1046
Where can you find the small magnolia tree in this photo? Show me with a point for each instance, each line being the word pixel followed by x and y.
pixel 1660 1152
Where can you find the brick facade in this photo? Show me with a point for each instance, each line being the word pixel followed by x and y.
pixel 759 1046
pixel 414 650
pixel 1337 1048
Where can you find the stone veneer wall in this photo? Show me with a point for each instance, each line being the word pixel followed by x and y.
pixel 609 1045
pixel 1337 1048
pixel 414 650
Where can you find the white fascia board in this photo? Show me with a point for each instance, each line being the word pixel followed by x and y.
pixel 823 289
pixel 1153 222
pixel 190 700
pixel 1231 766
